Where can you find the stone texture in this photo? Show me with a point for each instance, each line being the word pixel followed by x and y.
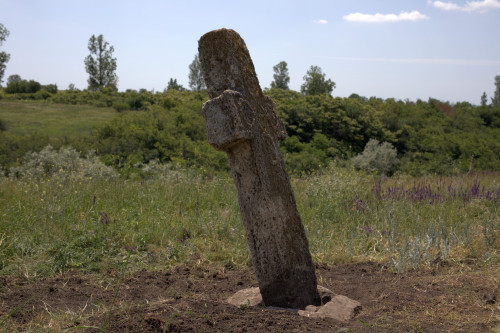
pixel 243 122
pixel 339 307
pixel 246 297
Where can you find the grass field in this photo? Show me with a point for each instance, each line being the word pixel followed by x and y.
pixel 54 120
pixel 73 220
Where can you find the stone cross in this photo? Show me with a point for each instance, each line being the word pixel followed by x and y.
pixel 243 122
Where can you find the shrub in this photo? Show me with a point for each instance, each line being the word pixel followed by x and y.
pixel 120 106
pixel 64 163
pixel 377 157
pixel 51 88
pixel 135 100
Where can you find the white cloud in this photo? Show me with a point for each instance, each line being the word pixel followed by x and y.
pixel 470 6
pixel 381 18
pixel 320 21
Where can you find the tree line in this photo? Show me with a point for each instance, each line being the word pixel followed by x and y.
pixel 410 137
pixel 101 67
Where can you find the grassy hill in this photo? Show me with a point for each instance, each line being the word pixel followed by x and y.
pixel 53 120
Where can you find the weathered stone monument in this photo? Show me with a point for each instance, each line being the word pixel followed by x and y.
pixel 242 121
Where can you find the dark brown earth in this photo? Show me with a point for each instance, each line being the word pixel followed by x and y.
pixel 459 298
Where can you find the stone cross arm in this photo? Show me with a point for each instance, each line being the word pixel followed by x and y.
pixel 230 120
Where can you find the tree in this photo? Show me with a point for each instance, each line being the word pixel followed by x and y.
pixel 315 83
pixel 484 99
pixel 496 98
pixel 281 77
pixel 358 97
pixel 18 86
pixel 100 64
pixel 196 81
pixel 173 85
pixel 4 56
pixel 14 78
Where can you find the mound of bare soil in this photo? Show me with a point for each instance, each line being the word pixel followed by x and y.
pixel 192 299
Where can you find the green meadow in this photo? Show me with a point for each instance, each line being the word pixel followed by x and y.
pixel 80 218
pixel 53 120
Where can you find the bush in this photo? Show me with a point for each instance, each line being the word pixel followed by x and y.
pixel 23 86
pixel 120 106
pixel 64 163
pixel 380 158
pixel 51 88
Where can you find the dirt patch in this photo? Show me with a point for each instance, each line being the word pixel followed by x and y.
pixel 192 299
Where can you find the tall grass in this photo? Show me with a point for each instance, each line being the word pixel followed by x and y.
pixel 93 223
pixel 350 216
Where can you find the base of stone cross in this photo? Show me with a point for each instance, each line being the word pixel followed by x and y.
pixel 338 307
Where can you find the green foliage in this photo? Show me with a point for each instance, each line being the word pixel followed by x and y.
pixel 51 88
pixel 430 136
pixel 495 101
pixel 173 85
pixel 378 157
pixel 322 128
pixel 14 78
pixel 98 98
pixel 120 106
pixel 174 135
pixel 315 83
pixel 484 99
pixel 196 81
pixel 20 89
pixel 4 33
pixel 31 126
pixel 435 137
pixel 4 59
pixel 281 76
pixel 490 116
pixel 13 147
pixel 136 100
pixel 23 87
pixel 4 56
pixel 100 64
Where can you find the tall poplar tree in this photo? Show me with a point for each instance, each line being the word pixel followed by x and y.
pixel 196 81
pixel 281 76
pixel 484 99
pixel 496 97
pixel 4 56
pixel 100 64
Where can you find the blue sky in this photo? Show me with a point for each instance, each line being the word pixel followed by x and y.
pixel 449 50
